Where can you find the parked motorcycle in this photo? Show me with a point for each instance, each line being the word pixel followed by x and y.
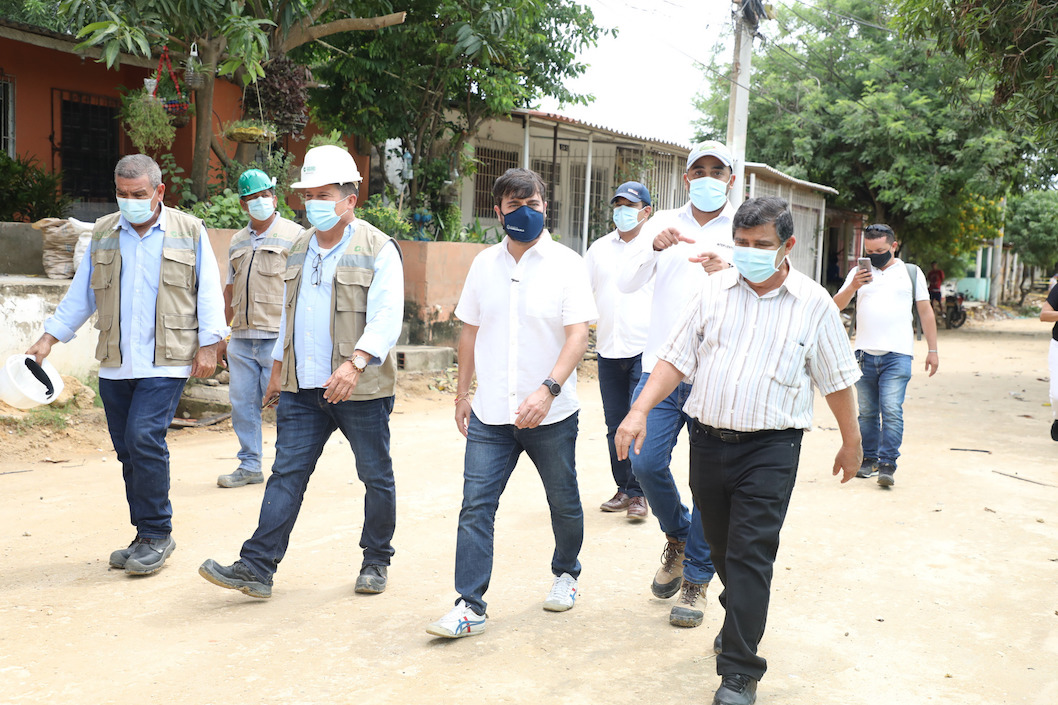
pixel 954 313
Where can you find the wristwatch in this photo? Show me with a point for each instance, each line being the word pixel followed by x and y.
pixel 359 362
pixel 552 386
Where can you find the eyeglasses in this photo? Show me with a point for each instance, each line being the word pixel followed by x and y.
pixel 317 270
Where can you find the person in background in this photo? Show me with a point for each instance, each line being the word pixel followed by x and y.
pixel 1049 314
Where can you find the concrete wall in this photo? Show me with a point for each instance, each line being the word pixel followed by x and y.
pixel 21 249
pixel 434 273
pixel 24 304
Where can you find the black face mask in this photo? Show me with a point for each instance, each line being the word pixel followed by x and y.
pixel 881 259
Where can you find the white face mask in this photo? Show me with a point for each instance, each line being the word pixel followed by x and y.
pixel 708 194
pixel 626 218
pixel 261 208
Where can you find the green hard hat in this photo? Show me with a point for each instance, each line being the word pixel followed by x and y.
pixel 254 180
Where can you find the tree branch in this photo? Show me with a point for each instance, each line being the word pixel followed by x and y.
pixel 218 150
pixel 300 35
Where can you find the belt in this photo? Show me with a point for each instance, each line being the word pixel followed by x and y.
pixel 728 436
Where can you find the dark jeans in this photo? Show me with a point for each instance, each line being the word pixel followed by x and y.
pixel 139 412
pixel 743 490
pixel 305 423
pixel 492 452
pixel 617 381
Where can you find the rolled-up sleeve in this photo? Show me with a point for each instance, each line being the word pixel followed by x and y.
pixel 385 305
pixel 77 306
pixel 212 328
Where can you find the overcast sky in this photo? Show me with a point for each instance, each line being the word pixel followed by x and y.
pixel 644 80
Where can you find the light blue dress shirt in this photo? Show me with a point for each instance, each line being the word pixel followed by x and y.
pixel 312 323
pixel 141 262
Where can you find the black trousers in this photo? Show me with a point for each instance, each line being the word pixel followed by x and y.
pixel 742 485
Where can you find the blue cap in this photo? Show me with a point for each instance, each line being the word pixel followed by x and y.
pixel 634 192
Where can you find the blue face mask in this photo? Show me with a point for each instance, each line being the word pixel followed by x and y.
pixel 321 214
pixel 136 210
pixel 261 208
pixel 708 194
pixel 754 264
pixel 626 218
pixel 523 224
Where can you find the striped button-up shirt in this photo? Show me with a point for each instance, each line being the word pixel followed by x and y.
pixel 754 359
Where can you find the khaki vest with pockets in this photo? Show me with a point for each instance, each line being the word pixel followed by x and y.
pixel 352 279
pixel 257 286
pixel 176 308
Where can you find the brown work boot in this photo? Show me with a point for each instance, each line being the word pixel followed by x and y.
pixel 684 613
pixel 637 508
pixel 618 503
pixel 669 576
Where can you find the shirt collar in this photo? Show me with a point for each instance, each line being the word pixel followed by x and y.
pixel 159 224
pixel 543 244
pixel 728 213
pixel 795 282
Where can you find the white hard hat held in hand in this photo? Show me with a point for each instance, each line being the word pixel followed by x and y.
pixel 24 384
pixel 327 165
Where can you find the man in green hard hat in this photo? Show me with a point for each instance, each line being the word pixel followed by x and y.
pixel 253 303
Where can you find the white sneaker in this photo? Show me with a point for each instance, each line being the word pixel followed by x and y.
pixel 460 621
pixel 563 593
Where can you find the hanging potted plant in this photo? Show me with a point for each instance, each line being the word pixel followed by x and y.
pixel 147 124
pixel 167 90
pixel 250 132
pixel 194 79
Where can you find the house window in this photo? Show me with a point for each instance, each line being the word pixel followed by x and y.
pixel 491 165
pixel 599 214
pixel 88 143
pixel 551 173
pixel 7 114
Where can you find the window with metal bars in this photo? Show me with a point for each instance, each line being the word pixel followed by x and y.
pixel 551 173
pixel 7 114
pixel 89 144
pixel 491 165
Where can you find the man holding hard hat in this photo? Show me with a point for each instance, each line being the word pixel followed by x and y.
pixel 151 276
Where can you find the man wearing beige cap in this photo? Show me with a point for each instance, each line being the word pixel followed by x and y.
pixel 680 248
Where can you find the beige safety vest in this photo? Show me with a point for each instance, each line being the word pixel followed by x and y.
pixel 257 287
pixel 176 308
pixel 352 279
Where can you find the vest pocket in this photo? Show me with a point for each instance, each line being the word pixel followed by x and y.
pixel 102 268
pixel 178 267
pixel 103 324
pixel 350 291
pixel 181 336
pixel 270 261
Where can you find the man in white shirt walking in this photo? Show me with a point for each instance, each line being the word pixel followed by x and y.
pixel 621 334
pixel 525 307
pixel 755 340
pixel 679 249
pixel 885 345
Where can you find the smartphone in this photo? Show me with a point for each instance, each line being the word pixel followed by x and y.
pixel 271 402
pixel 865 263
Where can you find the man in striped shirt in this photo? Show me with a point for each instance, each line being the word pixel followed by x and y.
pixel 755 340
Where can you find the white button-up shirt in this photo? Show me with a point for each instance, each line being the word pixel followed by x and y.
pixel 675 279
pixel 521 310
pixel 754 358
pixel 624 319
pixel 141 266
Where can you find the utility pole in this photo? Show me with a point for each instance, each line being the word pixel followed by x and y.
pixel 747 14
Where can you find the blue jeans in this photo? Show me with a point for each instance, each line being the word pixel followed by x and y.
pixel 306 421
pixel 651 468
pixel 250 365
pixel 491 454
pixel 617 381
pixel 880 392
pixel 139 412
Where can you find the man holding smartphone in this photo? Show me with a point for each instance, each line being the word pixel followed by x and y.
pixel 886 290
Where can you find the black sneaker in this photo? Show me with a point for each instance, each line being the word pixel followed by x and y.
pixel 736 689
pixel 372 580
pixel 1054 430
pixel 868 467
pixel 121 556
pixel 718 644
pixel 885 474
pixel 236 576
pixel 148 555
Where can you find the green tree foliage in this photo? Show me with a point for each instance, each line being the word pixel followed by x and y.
pixel 1032 230
pixel 1016 42
pixel 838 98
pixel 451 65
pixel 39 13
pixel 234 38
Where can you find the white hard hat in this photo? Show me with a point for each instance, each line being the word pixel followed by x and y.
pixel 327 165
pixel 24 384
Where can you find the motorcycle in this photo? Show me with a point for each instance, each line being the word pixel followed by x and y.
pixel 954 313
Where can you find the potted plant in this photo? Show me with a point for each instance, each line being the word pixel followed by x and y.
pixel 250 132
pixel 147 123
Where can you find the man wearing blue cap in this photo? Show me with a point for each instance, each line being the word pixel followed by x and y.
pixel 253 304
pixel 621 334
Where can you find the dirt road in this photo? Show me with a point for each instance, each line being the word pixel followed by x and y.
pixel 943 589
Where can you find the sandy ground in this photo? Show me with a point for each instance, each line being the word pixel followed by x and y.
pixel 943 589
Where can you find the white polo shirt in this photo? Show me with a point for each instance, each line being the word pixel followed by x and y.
pixel 883 309
pixel 676 281
pixel 521 310
pixel 624 319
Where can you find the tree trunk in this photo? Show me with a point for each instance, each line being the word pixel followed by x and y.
pixel 209 51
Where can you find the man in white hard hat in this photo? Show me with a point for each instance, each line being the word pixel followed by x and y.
pixel 253 305
pixel 335 368
pixel 680 247
pixel 152 278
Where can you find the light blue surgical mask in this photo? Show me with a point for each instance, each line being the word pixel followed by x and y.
pixel 708 194
pixel 136 210
pixel 261 208
pixel 754 264
pixel 626 218
pixel 321 214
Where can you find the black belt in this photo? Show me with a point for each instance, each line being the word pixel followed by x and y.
pixel 728 436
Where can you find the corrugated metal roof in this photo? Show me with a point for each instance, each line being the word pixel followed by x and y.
pixel 555 117
pixel 773 172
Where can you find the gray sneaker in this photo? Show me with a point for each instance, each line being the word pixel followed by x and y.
pixel 372 580
pixel 240 477
pixel 119 557
pixel 236 576
pixel 868 467
pixel 148 555
pixel 885 474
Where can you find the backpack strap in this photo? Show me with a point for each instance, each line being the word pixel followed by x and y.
pixel 916 322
